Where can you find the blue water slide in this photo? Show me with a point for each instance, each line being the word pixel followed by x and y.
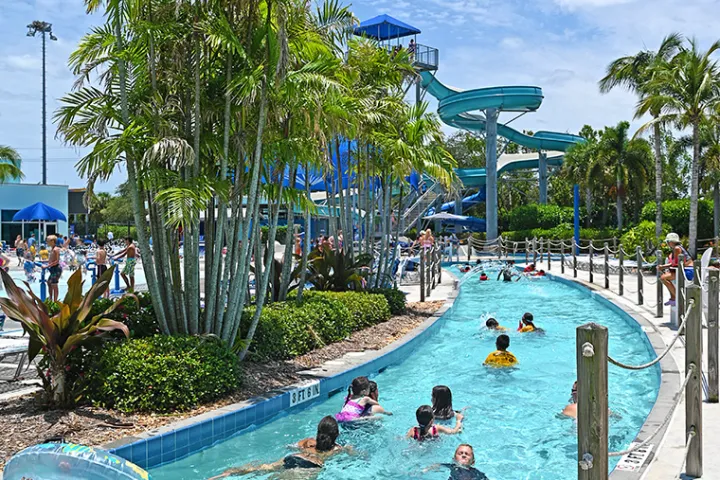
pixel 467 202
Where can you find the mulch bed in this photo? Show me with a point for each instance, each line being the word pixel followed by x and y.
pixel 24 422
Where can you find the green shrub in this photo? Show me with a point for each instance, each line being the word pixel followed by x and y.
pixel 643 236
pixel 397 301
pixel 676 213
pixel 563 231
pixel 528 217
pixel 288 329
pixel 139 317
pixel 279 233
pixel 162 373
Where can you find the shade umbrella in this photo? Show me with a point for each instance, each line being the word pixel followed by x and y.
pixel 39 212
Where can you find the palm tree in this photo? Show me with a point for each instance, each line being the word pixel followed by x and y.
pixel 10 162
pixel 686 93
pixel 622 158
pixel 634 72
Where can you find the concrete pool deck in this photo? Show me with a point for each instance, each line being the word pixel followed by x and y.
pixel 668 449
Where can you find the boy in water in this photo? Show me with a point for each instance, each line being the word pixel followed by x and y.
pixel 53 267
pixel 501 357
pixel 492 324
pixel 128 273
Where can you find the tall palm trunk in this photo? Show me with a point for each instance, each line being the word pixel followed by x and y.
pixel 619 204
pixel 308 237
pixel 135 195
pixel 716 209
pixel 694 188
pixel 289 243
pixel 658 180
pixel 588 206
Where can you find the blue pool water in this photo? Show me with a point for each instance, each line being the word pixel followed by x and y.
pixel 512 419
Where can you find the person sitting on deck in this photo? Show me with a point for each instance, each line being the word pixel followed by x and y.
pixel 501 357
pixel 312 455
pixel 668 278
pixel 492 324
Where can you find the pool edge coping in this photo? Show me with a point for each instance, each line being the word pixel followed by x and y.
pixel 670 377
pixel 371 362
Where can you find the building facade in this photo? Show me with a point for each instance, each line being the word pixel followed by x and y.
pixel 16 196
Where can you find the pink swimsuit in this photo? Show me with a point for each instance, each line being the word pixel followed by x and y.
pixel 350 411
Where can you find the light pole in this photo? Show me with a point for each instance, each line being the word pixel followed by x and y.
pixel 45 28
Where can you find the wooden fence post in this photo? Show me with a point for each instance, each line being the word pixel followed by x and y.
pixel 614 243
pixel 592 412
pixel 679 290
pixel 693 391
pixel 429 270
pixel 606 267
pixel 621 273
pixel 562 256
pixel 549 254
pixel 526 250
pixel 439 269
pixel 574 253
pixel 534 250
pixel 712 317
pixel 422 273
pixel 592 276
pixel 469 252
pixel 658 285
pixel 638 255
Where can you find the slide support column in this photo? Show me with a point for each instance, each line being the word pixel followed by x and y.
pixel 543 174
pixel 458 205
pixel 491 116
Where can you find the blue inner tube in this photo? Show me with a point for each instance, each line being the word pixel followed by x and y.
pixel 51 461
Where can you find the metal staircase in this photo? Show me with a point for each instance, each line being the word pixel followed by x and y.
pixel 432 196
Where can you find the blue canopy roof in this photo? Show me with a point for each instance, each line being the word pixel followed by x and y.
pixel 385 27
pixel 39 212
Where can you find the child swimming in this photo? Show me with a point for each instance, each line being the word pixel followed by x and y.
pixel 492 324
pixel 527 324
pixel 463 467
pixel 312 455
pixel 357 399
pixel 426 428
pixel 442 403
pixel 374 409
pixel 501 357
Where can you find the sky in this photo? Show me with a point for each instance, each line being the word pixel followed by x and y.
pixel 562 46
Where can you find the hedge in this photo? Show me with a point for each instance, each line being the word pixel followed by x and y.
pixel 528 217
pixel 676 213
pixel 397 300
pixel 563 231
pixel 288 329
pixel 643 236
pixel 161 373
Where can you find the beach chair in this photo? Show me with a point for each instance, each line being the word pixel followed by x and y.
pixel 14 345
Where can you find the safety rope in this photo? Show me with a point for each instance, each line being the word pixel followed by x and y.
pixel 690 438
pixel 662 355
pixel 664 423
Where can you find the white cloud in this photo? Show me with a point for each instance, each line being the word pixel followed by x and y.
pixel 573 4
pixel 22 62
pixel 512 42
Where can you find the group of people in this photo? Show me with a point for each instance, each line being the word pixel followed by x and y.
pixel 362 404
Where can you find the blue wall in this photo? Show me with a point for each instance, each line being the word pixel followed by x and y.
pixel 16 196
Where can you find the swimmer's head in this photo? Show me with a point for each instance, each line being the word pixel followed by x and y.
pixel 573 393
pixel 478 261
pixel 491 323
pixel 327 433
pixel 502 342
pixel 464 455
pixel 442 402
pixel 359 386
pixel 374 394
pixel 527 318
pixel 425 417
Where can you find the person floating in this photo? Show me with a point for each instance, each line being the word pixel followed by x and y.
pixel 492 324
pixel 668 278
pixel 463 465
pixel 465 268
pixel 501 357
pixel 356 401
pixel 570 409
pixel 426 428
pixel 312 455
pixel 483 277
pixel 529 269
pixel 527 324
pixel 539 273
pixel 442 403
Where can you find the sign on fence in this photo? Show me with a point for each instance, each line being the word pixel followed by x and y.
pixel 304 393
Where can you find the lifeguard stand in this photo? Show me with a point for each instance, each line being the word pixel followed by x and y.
pixel 389 31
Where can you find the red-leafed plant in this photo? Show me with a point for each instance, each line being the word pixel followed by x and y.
pixel 56 336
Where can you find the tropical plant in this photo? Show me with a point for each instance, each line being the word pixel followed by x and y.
pixel 686 92
pixel 624 160
pixel 635 72
pixel 56 336
pixel 335 270
pixel 10 162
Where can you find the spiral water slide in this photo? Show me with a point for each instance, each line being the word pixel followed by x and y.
pixel 455 108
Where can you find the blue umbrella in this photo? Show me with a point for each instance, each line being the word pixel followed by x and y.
pixel 39 212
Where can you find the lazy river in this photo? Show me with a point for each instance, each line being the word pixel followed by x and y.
pixel 512 417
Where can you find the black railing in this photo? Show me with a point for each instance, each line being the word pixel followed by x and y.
pixel 426 57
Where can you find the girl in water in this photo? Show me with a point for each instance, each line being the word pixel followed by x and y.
pixel 427 429
pixel 527 324
pixel 371 410
pixel 312 455
pixel 442 403
pixel 358 398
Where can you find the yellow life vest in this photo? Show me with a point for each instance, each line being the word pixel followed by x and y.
pixel 499 358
